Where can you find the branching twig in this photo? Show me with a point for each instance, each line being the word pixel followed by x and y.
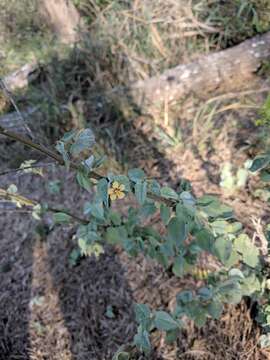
pixel 11 171
pixel 74 166
pixel 24 201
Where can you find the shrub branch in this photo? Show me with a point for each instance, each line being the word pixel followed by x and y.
pixel 51 154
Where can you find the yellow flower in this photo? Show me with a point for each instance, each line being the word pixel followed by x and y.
pixel 116 191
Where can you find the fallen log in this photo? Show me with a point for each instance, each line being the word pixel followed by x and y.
pixel 219 72
pixel 225 71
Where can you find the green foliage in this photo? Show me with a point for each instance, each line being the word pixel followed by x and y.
pixel 61 218
pixel 165 322
pixel 191 226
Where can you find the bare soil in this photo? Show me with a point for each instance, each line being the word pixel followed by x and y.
pixel 51 310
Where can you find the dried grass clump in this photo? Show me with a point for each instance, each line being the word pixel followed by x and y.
pixel 236 19
pixel 146 37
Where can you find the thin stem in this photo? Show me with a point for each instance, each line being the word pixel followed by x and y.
pixel 24 201
pixel 74 166
pixel 44 150
pixel 75 217
pixel 37 166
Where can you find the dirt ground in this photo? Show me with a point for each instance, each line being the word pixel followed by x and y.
pixel 51 310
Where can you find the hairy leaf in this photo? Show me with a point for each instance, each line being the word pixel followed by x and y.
pixel 164 321
pixel 141 191
pixel 84 140
pixel 136 175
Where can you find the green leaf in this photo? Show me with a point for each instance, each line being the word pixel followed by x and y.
pixel 109 312
pixel 121 355
pixel 88 235
pixel 84 140
pixel 95 209
pixel 230 291
pixel 60 147
pixel 154 187
pixel 213 208
pixel 61 218
pixel 215 309
pixel 200 317
pixel 260 162
pixel 54 186
pixel 88 163
pixel 234 227
pixel 141 191
pixel 84 181
pixel 241 243
pixel 99 161
pixel 165 213
pixel 102 190
pixel 250 285
pixel 87 242
pixel 187 198
pixel 249 251
pixel 236 273
pixel 142 341
pixel 136 175
pixel 178 266
pixel 223 248
pixel 162 259
pixel 164 321
pixel 169 193
pixel 251 256
pixel 74 257
pixel 233 259
pixel 184 297
pixel 177 231
pixel 171 336
pixel 89 249
pixel 205 294
pixel 148 209
pixel 167 249
pixel 87 231
pixel 221 227
pixel 206 200
pixel 265 176
pixel 205 240
pixel 143 315
pixel 116 235
pixel 114 217
pixel 68 136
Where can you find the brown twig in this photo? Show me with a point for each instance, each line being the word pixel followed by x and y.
pixel 74 166
pixel 35 166
pixel 24 201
